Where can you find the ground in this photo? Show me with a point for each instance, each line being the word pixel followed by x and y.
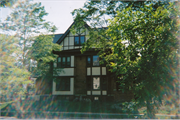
pixel 46 108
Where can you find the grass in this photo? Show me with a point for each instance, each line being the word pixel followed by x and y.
pixel 49 108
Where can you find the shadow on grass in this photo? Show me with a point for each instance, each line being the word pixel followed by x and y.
pixel 69 109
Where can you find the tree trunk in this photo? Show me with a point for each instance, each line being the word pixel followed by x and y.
pixel 150 110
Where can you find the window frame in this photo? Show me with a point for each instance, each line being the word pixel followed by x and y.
pixel 91 62
pixel 60 64
pixel 94 61
pixel 89 65
pixel 79 36
pixel 70 92
pixel 64 79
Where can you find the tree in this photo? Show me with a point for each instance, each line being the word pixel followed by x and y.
pixel 7 3
pixel 25 22
pixel 12 77
pixel 142 42
pixel 42 51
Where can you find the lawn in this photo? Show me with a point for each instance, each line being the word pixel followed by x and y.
pixel 47 108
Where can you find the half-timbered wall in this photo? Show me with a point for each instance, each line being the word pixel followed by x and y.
pixel 82 74
pixel 68 42
pixel 61 73
pixel 70 92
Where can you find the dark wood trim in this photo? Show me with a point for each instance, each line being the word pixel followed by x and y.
pixel 65 34
pixel 63 44
pixel 68 42
pixel 67 31
pixel 101 79
pixel 75 52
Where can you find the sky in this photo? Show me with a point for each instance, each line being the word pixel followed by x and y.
pixel 59 12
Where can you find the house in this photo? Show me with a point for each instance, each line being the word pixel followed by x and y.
pixel 77 76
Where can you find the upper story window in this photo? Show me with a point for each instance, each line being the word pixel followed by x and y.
pixel 88 61
pixel 64 61
pixel 79 40
pixel 93 60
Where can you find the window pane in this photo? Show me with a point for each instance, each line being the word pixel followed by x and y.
pixel 63 61
pixel 68 61
pixel 76 40
pixel 59 59
pixel 96 83
pixel 88 61
pixel 82 39
pixel 96 60
pixel 63 84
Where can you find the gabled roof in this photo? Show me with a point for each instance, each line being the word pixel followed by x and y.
pixel 56 37
pixel 67 31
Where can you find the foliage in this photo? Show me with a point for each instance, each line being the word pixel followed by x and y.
pixel 139 45
pixel 12 77
pixel 7 3
pixel 25 22
pixel 22 47
pixel 41 51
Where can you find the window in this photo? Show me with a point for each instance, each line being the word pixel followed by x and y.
pixel 93 60
pixel 76 40
pixel 64 62
pixel 82 39
pixel 96 98
pixel 63 84
pixel 96 83
pixel 59 62
pixel 68 61
pixel 96 60
pixel 88 61
pixel 79 40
